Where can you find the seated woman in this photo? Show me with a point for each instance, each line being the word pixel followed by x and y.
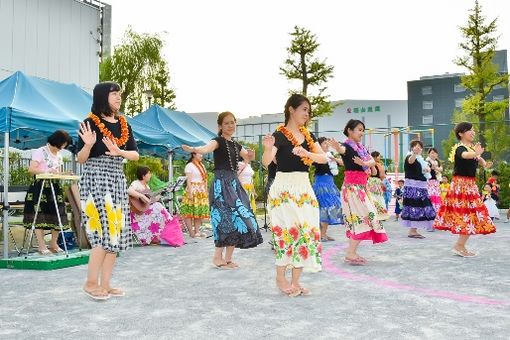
pixel 46 159
pixel 154 224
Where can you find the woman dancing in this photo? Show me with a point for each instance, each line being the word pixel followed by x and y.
pixel 293 208
pixel 233 221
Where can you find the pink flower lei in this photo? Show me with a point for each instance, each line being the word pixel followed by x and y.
pixel 360 150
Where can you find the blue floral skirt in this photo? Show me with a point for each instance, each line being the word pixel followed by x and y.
pixel 328 195
pixel 233 222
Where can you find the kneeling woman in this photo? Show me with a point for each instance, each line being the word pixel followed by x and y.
pixel 293 208
pixel 154 224
pixel 463 211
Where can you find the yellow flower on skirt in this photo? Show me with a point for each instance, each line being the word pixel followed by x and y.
pixel 90 210
pixel 115 219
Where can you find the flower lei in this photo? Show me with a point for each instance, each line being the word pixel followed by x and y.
pixel 360 150
pixel 451 158
pixel 108 134
pixel 308 137
pixel 201 169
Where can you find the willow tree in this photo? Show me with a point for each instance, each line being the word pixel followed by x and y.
pixel 138 65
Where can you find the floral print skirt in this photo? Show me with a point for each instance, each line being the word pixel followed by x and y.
pixel 360 213
pixel 418 211
pixel 233 222
pixel 155 225
pixel 196 206
pixel 375 190
pixel 47 215
pixel 434 193
pixel 463 211
pixel 250 190
pixel 294 213
pixel 104 203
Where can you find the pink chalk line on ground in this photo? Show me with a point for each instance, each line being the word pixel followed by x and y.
pixel 329 266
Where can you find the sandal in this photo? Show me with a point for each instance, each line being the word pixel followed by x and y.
pixel 56 250
pixel 44 252
pixel 416 236
pixel 463 253
pixel 358 261
pixel 329 238
pixel 95 294
pixel 233 264
pixel 116 292
pixel 305 291
pixel 291 291
pixel 222 266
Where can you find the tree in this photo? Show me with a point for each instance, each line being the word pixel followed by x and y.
pixel 137 65
pixel 302 64
pixel 479 47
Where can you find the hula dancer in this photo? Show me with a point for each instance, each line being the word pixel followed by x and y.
pixel 293 208
pixel 233 221
pixel 418 211
pixel 105 141
pixel 463 211
pixel 376 187
pixel 327 192
pixel 435 177
pixel 195 204
pixel 360 213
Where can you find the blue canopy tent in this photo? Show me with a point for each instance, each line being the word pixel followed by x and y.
pixel 32 108
pixel 178 124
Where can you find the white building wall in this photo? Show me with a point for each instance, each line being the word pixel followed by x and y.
pixel 52 39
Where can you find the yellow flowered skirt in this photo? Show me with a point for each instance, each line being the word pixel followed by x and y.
pixel 104 203
pixel 250 190
pixel 196 205
pixel 294 213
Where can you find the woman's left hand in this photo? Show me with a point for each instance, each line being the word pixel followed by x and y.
pixel 300 151
pixel 113 149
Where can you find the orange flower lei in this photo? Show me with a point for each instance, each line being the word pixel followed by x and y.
pixel 108 134
pixel 309 140
pixel 201 169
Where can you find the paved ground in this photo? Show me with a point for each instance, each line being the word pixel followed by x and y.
pixel 412 289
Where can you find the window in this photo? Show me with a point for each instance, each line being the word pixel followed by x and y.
pixel 458 102
pixel 458 88
pixel 427 120
pixel 498 98
pixel 428 105
pixel 426 90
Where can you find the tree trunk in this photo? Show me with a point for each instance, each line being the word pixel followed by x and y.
pixel 304 72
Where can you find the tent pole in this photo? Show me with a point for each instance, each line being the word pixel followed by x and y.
pixel 5 220
pixel 171 178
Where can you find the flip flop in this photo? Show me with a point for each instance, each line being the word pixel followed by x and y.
pixel 235 265
pixel 305 291
pixel 290 292
pixel 462 253
pixel 44 252
pixel 56 251
pixel 355 262
pixel 416 236
pixel 96 297
pixel 116 292
pixel 222 266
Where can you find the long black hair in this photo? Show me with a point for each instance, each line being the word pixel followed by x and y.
pixel 101 92
pixel 461 128
pixel 351 125
pixel 294 101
